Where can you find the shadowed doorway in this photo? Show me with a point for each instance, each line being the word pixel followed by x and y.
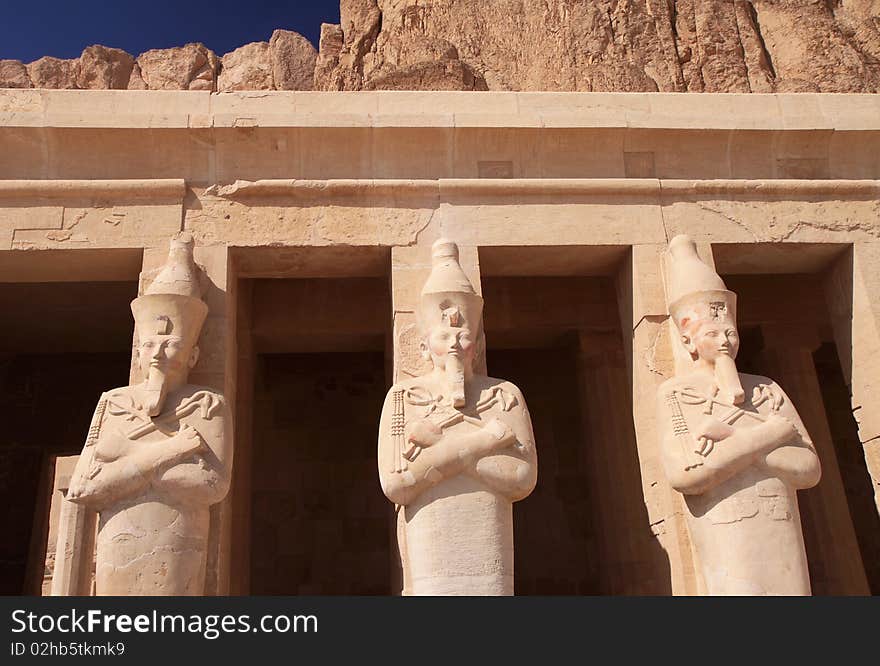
pixel 62 345
pixel 319 523
pixel 584 530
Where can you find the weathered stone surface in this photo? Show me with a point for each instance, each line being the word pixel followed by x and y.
pixel 136 82
pixel 49 72
pixel 741 512
pixel 453 75
pixel 248 67
pixel 551 196
pixel 13 74
pixel 293 61
pixel 455 477
pixel 329 50
pixel 810 50
pixel 189 67
pixel 103 68
pixel 554 45
pixel 686 45
pixel 435 66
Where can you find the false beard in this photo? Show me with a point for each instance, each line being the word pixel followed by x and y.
pixel 155 390
pixel 455 380
pixel 727 378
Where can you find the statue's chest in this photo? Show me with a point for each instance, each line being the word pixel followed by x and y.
pixel 419 402
pixel 126 426
pixel 694 404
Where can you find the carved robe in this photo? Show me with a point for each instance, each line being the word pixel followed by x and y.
pixel 459 531
pixel 746 528
pixel 153 536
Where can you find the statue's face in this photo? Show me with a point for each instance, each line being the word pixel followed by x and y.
pixel 449 341
pixel 712 339
pixel 166 353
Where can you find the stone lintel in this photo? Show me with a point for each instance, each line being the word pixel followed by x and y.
pixel 247 110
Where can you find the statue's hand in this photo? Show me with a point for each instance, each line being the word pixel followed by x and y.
pixel 780 430
pixel 187 441
pixel 713 428
pixel 112 446
pixel 709 431
pixel 423 432
pixel 767 392
pixel 502 433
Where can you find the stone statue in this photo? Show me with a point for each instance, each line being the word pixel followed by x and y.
pixel 158 454
pixel 733 444
pixel 456 449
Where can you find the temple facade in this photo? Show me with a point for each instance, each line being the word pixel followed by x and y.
pixel 311 216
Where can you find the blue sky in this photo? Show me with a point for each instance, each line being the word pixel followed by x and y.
pixel 62 28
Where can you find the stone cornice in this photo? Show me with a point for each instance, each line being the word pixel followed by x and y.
pixel 518 188
pixel 164 188
pixel 443 189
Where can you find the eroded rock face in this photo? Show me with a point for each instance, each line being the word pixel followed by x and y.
pixel 329 49
pixel 103 68
pixel 247 68
pixel 13 74
pixel 189 67
pixel 136 82
pixel 49 72
pixel 606 45
pixel 293 61
pixel 451 75
pixel 555 45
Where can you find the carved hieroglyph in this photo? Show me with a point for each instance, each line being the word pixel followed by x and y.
pixel 456 449
pixel 158 454
pixel 733 444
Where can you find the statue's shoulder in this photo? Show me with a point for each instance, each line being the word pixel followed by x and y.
pixel 674 384
pixel 120 391
pixel 211 401
pixel 122 396
pixel 490 387
pixel 749 381
pixel 490 383
pixel 190 390
pixel 406 384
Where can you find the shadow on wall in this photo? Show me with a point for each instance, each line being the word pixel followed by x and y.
pixel 585 529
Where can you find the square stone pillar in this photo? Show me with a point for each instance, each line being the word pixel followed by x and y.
pixel 650 361
pixel 631 560
pixel 74 546
pixel 240 494
pixel 787 358
pixel 852 291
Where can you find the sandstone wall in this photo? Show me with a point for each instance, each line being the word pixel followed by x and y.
pixel 553 45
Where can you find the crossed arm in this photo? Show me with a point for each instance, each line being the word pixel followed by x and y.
pixel 191 466
pixel 500 455
pixel 780 443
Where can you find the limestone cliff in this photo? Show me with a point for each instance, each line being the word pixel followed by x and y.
pixel 578 45
pixel 604 45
